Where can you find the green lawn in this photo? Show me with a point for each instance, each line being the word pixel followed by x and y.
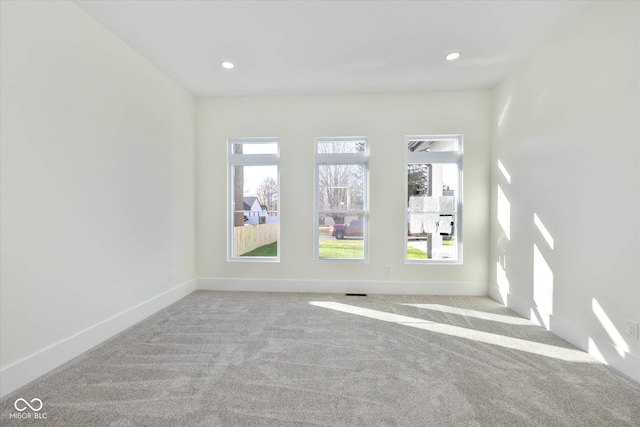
pixel 330 248
pixel 267 250
pixel 413 253
pixel 333 248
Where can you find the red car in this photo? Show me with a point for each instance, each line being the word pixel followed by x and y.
pixel 351 229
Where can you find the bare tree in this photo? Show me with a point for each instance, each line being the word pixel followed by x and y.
pixel 340 186
pixel 268 192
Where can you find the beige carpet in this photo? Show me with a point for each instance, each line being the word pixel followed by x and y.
pixel 268 359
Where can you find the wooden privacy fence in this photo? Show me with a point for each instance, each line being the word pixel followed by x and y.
pixel 250 237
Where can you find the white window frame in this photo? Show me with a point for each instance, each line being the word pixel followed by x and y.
pixel 441 157
pixel 249 160
pixel 342 159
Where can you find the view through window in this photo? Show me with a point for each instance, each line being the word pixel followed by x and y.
pixel 254 199
pixel 342 198
pixel 434 199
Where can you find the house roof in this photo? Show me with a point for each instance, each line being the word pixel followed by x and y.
pixel 250 200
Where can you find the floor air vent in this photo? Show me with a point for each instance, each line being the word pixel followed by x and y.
pixel 356 295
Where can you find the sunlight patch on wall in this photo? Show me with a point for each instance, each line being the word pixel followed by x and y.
pixel 506 174
pixel 542 283
pixel 611 330
pixel 504 213
pixel 594 350
pixel 543 230
pixel 474 313
pixel 504 111
pixel 501 277
pixel 532 347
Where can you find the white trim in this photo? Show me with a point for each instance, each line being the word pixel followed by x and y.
pixel 600 349
pixel 345 286
pixel 341 158
pixel 253 159
pixel 257 140
pixel 31 367
pixel 435 156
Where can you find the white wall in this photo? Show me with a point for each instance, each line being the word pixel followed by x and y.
pixel 98 182
pixel 385 119
pixel 566 128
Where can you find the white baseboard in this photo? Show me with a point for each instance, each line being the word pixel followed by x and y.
pixel 600 349
pixel 350 286
pixel 28 369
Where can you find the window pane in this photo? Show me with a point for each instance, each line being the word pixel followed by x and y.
pixel 432 145
pixel 341 187
pixel 255 211
pixel 341 236
pixel 433 191
pixel 254 148
pixel 341 198
pixel 341 147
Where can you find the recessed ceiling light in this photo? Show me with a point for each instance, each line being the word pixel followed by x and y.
pixel 452 56
pixel 226 64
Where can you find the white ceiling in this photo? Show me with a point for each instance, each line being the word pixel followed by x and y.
pixel 307 47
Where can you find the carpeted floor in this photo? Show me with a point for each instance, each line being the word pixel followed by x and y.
pixel 272 359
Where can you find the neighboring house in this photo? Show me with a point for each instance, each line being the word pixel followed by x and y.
pixel 253 211
pixel 256 213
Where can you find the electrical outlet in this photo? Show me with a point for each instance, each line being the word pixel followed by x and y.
pixel 632 329
pixel 387 269
pixel 170 276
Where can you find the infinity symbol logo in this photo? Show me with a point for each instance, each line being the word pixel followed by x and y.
pixel 24 408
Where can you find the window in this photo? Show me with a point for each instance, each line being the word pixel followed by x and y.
pixel 434 199
pixel 342 180
pixel 254 199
